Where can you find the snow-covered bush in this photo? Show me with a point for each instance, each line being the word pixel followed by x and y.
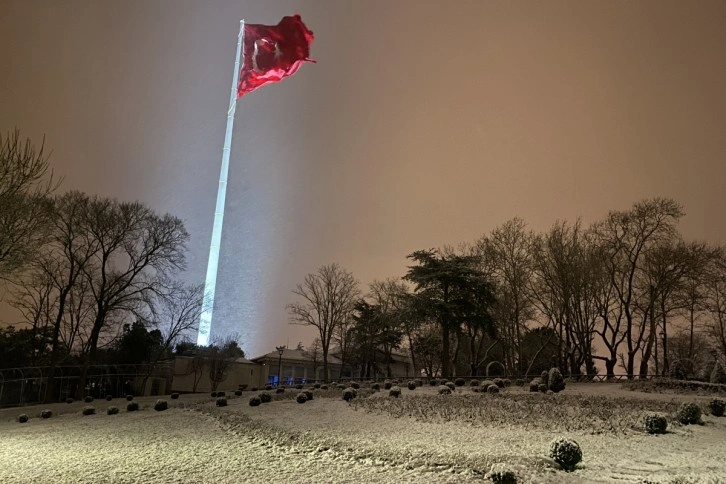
pixel 265 397
pixel 555 380
pixel 268 387
pixel 46 413
pixel 501 474
pixel 88 410
pixel 544 376
pixel 221 394
pixel 355 385
pixel 255 401
pixel 221 402
pixel 161 405
pixel 279 390
pixel 341 386
pixel 317 385
pixel 718 375
pixel 69 400
pixel 387 384
pixel 689 413
pixel 376 387
pixel 433 383
pixel 534 385
pixel 411 385
pixel 129 398
pixel 654 423
pixel 499 382
pixel 254 389
pixel 459 382
pixel 395 392
pixel 474 383
pixel 542 388
pixel 88 399
pixel 109 398
pixel 717 407
pixel 132 406
pixel 677 370
pixel 485 384
pixel 213 395
pixel 450 384
pixel 566 453
pixel 298 387
pixel 301 398
pixel 308 394
pixel 492 389
pixel 174 396
pixel 349 394
pixel 22 418
pixel 238 393
pixel 418 382
pixel 444 390
pixel 111 410
pixel 323 387
pixel 507 382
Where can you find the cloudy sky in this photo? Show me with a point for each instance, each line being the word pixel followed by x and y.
pixel 423 123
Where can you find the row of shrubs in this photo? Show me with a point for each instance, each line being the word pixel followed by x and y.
pixel 548 381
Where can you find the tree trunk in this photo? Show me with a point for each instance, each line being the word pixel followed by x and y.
pixel 445 360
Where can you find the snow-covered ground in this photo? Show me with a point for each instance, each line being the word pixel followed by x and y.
pixel 328 440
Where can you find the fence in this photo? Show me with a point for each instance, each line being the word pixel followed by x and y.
pixel 30 385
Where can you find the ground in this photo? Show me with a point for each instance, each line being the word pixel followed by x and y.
pixel 328 440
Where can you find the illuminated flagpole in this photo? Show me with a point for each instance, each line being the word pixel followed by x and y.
pixel 205 321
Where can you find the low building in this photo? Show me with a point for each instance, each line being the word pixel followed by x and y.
pixel 293 366
pixel 191 374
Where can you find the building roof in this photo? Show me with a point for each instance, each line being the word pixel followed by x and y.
pixel 290 354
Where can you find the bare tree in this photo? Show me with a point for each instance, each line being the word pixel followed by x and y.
pixel 220 357
pixel 25 182
pixel 328 297
pixel 314 353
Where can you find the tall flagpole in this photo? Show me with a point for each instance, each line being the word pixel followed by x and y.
pixel 205 321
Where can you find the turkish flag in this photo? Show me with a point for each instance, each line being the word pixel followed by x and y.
pixel 273 52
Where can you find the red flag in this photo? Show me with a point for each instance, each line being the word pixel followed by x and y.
pixel 273 52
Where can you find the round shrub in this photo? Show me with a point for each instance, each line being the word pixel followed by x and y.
pixel 349 394
pixel 161 405
pixel 112 410
pixel 301 398
pixel 492 389
pixel 129 398
pixel 308 394
pixel 689 413
pixel 298 387
pixel 69 400
pixel 486 383
pixel 555 381
pixel 221 402
pixel 213 394
pixel 175 396
pixel 323 387
pixel 718 375
pixel 450 384
pixel 280 390
pixel 677 370
pixel 22 418
pixel 341 386
pixel 433 383
pixel 542 388
pixel 473 383
pixel 444 390
pixel 355 385
pixel 717 407
pixel 411 385
pixel 654 423
pixel 507 382
pixel 238 393
pixel 544 376
pixel 265 397
pixel 88 399
pixel 254 389
pixel 499 382
pixel 500 474
pixel 534 385
pixel 376 387
pixel 255 401
pixel 109 398
pixel 387 384
pixel 132 406
pixel 221 394
pixel 317 385
pixel 459 382
pixel 418 382
pixel 46 413
pixel 395 392
pixel 268 387
pixel 566 453
pixel 519 382
pixel 88 411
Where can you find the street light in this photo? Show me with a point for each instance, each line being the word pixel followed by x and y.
pixel 665 353
pixel 280 350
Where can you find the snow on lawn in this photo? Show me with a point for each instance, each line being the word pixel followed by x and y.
pixel 328 440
